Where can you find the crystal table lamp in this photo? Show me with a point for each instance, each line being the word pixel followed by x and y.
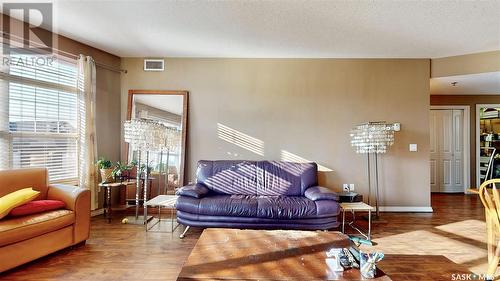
pixel 373 138
pixel 144 135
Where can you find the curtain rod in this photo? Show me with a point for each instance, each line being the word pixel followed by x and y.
pixel 101 65
pixel 9 36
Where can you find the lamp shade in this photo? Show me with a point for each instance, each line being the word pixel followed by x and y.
pixel 372 137
pixel 173 138
pixel 145 134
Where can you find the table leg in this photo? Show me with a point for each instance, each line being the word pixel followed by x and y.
pixel 108 202
pixel 172 218
pixel 343 221
pixel 105 203
pixel 370 224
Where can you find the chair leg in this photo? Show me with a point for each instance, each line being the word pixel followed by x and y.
pixel 184 233
pixel 490 237
pixel 493 264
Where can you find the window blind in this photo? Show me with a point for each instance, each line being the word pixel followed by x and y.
pixel 39 123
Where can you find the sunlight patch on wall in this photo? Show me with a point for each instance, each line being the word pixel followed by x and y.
pixel 290 157
pixel 240 139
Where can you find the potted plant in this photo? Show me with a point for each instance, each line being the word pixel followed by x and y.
pixel 133 169
pixel 121 171
pixel 106 169
pixel 143 168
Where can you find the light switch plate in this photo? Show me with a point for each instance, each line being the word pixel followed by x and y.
pixel 413 147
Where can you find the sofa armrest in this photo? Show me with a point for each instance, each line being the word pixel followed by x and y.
pixel 78 200
pixel 194 190
pixel 315 193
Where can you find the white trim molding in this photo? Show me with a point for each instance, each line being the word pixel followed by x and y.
pixel 406 209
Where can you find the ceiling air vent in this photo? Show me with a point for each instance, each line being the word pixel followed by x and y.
pixel 154 65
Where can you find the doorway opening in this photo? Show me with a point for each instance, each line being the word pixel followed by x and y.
pixel 487 142
pixel 449 149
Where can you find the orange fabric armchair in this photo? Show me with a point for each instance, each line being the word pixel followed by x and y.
pixel 23 239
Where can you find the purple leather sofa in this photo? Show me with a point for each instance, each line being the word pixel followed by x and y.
pixel 257 195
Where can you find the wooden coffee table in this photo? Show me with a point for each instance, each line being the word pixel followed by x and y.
pixel 231 254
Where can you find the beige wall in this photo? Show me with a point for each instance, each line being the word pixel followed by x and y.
pixel 305 107
pixel 470 100
pixel 108 122
pixel 466 64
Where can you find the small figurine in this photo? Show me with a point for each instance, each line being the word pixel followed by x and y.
pixel 368 263
pixel 333 259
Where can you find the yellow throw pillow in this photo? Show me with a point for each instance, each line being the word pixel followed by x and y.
pixel 15 199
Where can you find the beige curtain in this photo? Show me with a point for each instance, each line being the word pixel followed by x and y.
pixel 87 149
pixel 5 161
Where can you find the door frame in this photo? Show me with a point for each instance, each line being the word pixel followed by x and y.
pixel 466 140
pixel 478 106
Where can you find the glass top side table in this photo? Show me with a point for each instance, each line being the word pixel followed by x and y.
pixel 353 208
pixel 166 202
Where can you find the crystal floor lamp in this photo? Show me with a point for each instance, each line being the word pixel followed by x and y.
pixel 143 135
pixel 373 138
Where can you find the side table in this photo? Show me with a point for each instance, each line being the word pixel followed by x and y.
pixel 161 201
pixel 353 208
pixel 107 195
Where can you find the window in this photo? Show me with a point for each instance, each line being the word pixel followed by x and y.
pixel 38 117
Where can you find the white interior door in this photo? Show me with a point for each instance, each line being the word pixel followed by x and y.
pixel 458 151
pixel 446 163
pixel 434 116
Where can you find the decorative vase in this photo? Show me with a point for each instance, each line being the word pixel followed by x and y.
pixel 106 175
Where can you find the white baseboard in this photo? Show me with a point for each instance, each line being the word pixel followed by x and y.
pixel 97 212
pixel 406 209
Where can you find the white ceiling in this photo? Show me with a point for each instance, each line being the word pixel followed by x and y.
pixel 298 29
pixel 472 84
pixel 169 103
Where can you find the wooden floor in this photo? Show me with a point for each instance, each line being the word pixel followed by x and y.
pixel 421 246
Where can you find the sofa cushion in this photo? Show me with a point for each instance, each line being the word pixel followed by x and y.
pixel 15 199
pixel 194 190
pixel 294 207
pixel 219 205
pixel 272 207
pixel 16 229
pixel 280 207
pixel 272 178
pixel 320 193
pixel 37 206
